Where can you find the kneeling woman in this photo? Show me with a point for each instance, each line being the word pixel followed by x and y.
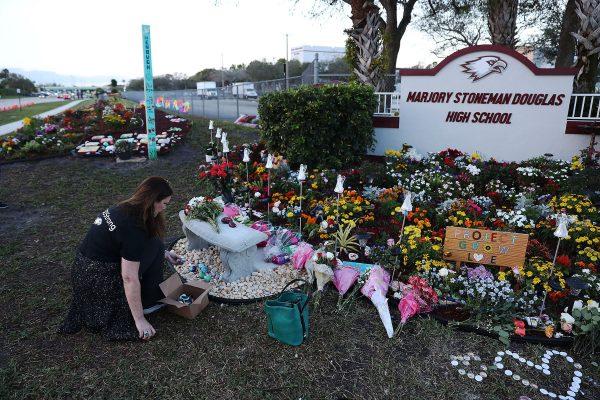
pixel 119 266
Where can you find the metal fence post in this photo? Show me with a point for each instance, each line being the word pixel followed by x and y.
pixel 316 69
pixel 218 106
pixel 192 100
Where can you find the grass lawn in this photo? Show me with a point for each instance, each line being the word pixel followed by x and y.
pixel 7 117
pixel 225 352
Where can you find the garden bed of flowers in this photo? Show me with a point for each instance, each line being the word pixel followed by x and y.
pixel 378 227
pixel 93 131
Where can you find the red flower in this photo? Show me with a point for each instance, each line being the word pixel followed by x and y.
pixel 449 162
pixel 519 327
pixel 564 260
pixel 555 296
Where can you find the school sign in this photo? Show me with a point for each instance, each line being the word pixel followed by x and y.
pixel 489 99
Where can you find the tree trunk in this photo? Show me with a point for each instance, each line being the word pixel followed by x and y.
pixel 393 34
pixel 588 70
pixel 367 39
pixel 588 45
pixel 502 21
pixel 566 42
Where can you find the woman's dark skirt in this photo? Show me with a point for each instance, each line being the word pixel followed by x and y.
pixel 99 303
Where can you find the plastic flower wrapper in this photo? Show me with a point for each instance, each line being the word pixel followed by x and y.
pixel 408 306
pixel 417 297
pixel 310 270
pixel 344 278
pixel 381 303
pixel 281 242
pixel 211 124
pixel 375 288
pixel 231 210
pixel 264 227
pixel 223 137
pixel 218 134
pixel 379 279
pixel 323 274
pixel 303 253
pixel 246 155
pixel 226 146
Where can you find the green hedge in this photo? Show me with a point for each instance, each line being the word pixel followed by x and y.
pixel 325 126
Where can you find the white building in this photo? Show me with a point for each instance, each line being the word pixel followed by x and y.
pixel 307 53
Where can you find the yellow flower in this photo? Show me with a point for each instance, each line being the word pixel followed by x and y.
pixel 397 209
pixel 536 280
pixel 501 276
pixel 26 121
pixel 529 274
pixel 290 214
pixel 435 247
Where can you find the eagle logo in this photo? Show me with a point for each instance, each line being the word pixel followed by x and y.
pixel 483 66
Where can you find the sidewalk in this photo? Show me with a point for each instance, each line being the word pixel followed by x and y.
pixel 13 126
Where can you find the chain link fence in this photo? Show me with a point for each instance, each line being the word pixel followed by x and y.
pixel 227 106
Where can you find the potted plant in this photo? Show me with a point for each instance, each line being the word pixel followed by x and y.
pixel 124 149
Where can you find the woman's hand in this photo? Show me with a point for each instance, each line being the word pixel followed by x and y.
pixel 173 258
pixel 145 330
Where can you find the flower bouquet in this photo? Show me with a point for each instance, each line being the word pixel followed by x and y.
pixel 204 209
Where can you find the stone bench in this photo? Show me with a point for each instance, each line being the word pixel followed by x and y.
pixel 237 246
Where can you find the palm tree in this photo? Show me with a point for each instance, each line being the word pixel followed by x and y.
pixel 502 21
pixel 588 45
pixel 366 35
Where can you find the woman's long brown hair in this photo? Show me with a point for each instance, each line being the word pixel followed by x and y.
pixel 141 204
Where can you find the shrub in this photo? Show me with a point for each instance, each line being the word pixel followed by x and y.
pixel 326 126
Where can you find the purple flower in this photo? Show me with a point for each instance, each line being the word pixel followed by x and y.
pixel 479 273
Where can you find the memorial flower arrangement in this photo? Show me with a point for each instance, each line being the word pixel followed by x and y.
pixel 204 209
pixel 451 188
pixel 92 131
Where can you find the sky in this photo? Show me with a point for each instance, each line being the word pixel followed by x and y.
pixel 87 38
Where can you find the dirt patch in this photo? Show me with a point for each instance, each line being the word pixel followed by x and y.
pixel 17 218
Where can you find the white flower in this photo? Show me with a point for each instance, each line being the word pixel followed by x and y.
pixel 329 255
pixel 578 305
pixel 567 318
pixel 443 272
pixel 591 304
pixel 473 170
pixel 324 225
pixel 257 194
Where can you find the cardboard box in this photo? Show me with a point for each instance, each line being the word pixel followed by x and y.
pixel 174 287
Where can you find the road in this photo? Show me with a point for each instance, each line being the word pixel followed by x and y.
pixel 36 100
pixel 224 109
pixel 13 126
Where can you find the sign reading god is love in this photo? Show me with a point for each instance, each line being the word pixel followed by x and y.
pixel 504 249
